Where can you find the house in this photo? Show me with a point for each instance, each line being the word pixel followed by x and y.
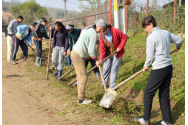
pixel 179 2
pixel 6 18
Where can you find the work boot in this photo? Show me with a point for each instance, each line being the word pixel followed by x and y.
pixel 162 122
pixel 25 58
pixel 85 101
pixel 11 61
pixel 56 73
pixel 37 61
pixel 40 61
pixel 142 121
pixel 59 74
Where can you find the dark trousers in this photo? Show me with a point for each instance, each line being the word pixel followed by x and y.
pixel 158 79
pixel 39 47
pixel 16 44
pixel 92 61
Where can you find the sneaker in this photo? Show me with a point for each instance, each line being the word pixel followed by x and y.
pixel 142 121
pixel 85 101
pixel 25 58
pixel 12 62
pixel 162 122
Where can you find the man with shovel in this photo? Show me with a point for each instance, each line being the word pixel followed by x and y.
pixel 40 32
pixel 158 56
pixel 24 34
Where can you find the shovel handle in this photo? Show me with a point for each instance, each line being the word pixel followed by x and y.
pixel 66 56
pixel 102 78
pixel 67 73
pixel 120 84
pixel 95 66
pixel 172 51
pixel 32 48
pixel 117 86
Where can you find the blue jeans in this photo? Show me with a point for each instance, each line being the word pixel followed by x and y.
pixel 68 61
pixel 110 69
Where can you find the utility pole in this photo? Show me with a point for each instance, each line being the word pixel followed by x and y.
pixel 65 10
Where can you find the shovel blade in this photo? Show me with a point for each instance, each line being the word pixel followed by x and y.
pixel 108 98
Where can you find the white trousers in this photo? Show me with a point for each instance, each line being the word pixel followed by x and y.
pixel 9 47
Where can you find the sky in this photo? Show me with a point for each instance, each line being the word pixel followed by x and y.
pixel 74 4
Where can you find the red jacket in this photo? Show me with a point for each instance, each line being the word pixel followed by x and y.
pixel 119 40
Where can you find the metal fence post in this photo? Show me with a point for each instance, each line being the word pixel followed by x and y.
pixel 127 16
pixel 147 6
pixel 110 11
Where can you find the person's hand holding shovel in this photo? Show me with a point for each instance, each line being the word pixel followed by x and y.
pixel 30 47
pixel 99 62
pixel 65 53
pixel 118 50
pixel 145 68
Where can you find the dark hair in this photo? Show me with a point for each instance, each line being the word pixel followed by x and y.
pixel 71 25
pixel 147 20
pixel 58 24
pixel 21 17
pixel 44 20
pixel 34 24
pixel 94 26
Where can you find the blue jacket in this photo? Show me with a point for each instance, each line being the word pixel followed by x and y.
pixel 25 32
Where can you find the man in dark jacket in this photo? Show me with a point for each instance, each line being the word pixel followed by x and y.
pixel 39 32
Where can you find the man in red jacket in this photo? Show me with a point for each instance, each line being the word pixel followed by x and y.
pixel 111 39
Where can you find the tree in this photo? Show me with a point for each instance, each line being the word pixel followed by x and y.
pixel 91 5
pixel 30 10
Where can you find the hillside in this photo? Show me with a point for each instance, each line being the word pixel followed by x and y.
pixel 52 12
pixel 129 102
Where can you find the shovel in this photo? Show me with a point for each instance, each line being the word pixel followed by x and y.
pixel 94 67
pixel 102 78
pixel 110 94
pixel 33 49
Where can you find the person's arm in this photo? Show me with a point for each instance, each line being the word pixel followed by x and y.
pixel 91 47
pixel 176 40
pixel 66 43
pixel 9 28
pixel 150 52
pixel 71 43
pixel 46 35
pixel 29 39
pixel 35 31
pixel 102 48
pixel 123 38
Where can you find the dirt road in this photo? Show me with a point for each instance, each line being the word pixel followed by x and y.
pixel 28 99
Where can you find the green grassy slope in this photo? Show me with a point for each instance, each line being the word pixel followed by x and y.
pixel 129 102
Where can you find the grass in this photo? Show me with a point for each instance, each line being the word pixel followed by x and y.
pixel 128 103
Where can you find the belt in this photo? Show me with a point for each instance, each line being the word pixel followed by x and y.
pixel 35 38
pixel 10 34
